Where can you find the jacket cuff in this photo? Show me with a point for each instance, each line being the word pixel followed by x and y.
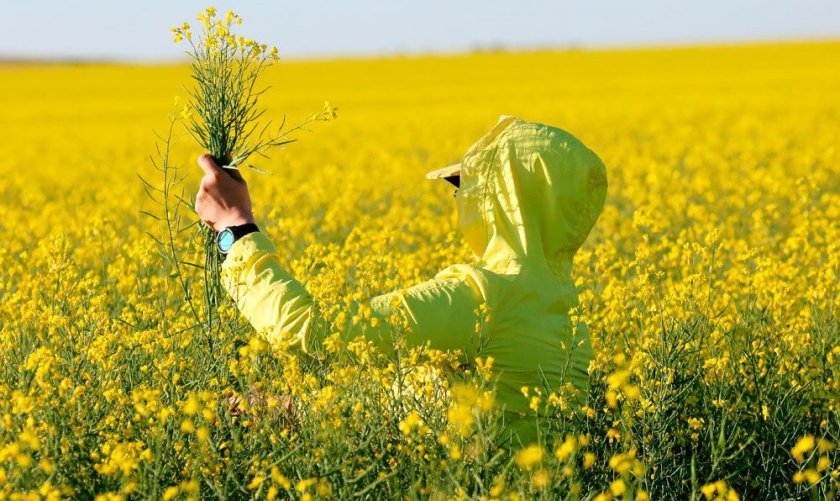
pixel 244 248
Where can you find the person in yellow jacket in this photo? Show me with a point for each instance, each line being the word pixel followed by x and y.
pixel 528 196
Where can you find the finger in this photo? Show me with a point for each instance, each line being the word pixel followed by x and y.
pixel 208 183
pixel 207 164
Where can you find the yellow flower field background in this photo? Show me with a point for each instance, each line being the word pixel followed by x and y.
pixel 709 284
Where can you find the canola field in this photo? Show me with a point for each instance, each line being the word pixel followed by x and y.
pixel 709 284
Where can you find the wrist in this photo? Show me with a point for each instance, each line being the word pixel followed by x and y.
pixel 231 234
pixel 238 220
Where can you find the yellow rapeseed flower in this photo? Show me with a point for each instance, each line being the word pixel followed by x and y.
pixel 529 457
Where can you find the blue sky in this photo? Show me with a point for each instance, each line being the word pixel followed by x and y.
pixel 139 30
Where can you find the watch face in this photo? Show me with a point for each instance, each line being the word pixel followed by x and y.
pixel 225 240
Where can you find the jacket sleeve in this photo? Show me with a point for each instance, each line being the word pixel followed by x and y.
pixel 440 311
pixel 276 305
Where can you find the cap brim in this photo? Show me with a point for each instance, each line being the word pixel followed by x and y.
pixel 451 171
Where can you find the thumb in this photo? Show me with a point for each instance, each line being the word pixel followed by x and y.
pixel 207 164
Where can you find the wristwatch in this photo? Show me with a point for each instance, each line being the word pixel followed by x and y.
pixel 228 236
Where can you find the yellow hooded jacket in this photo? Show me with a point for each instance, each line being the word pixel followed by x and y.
pixel 529 195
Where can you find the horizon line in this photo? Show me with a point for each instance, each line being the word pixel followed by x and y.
pixel 36 59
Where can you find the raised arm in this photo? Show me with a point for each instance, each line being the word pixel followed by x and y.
pixel 440 311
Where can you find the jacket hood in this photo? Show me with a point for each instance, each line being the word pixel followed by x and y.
pixel 529 195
